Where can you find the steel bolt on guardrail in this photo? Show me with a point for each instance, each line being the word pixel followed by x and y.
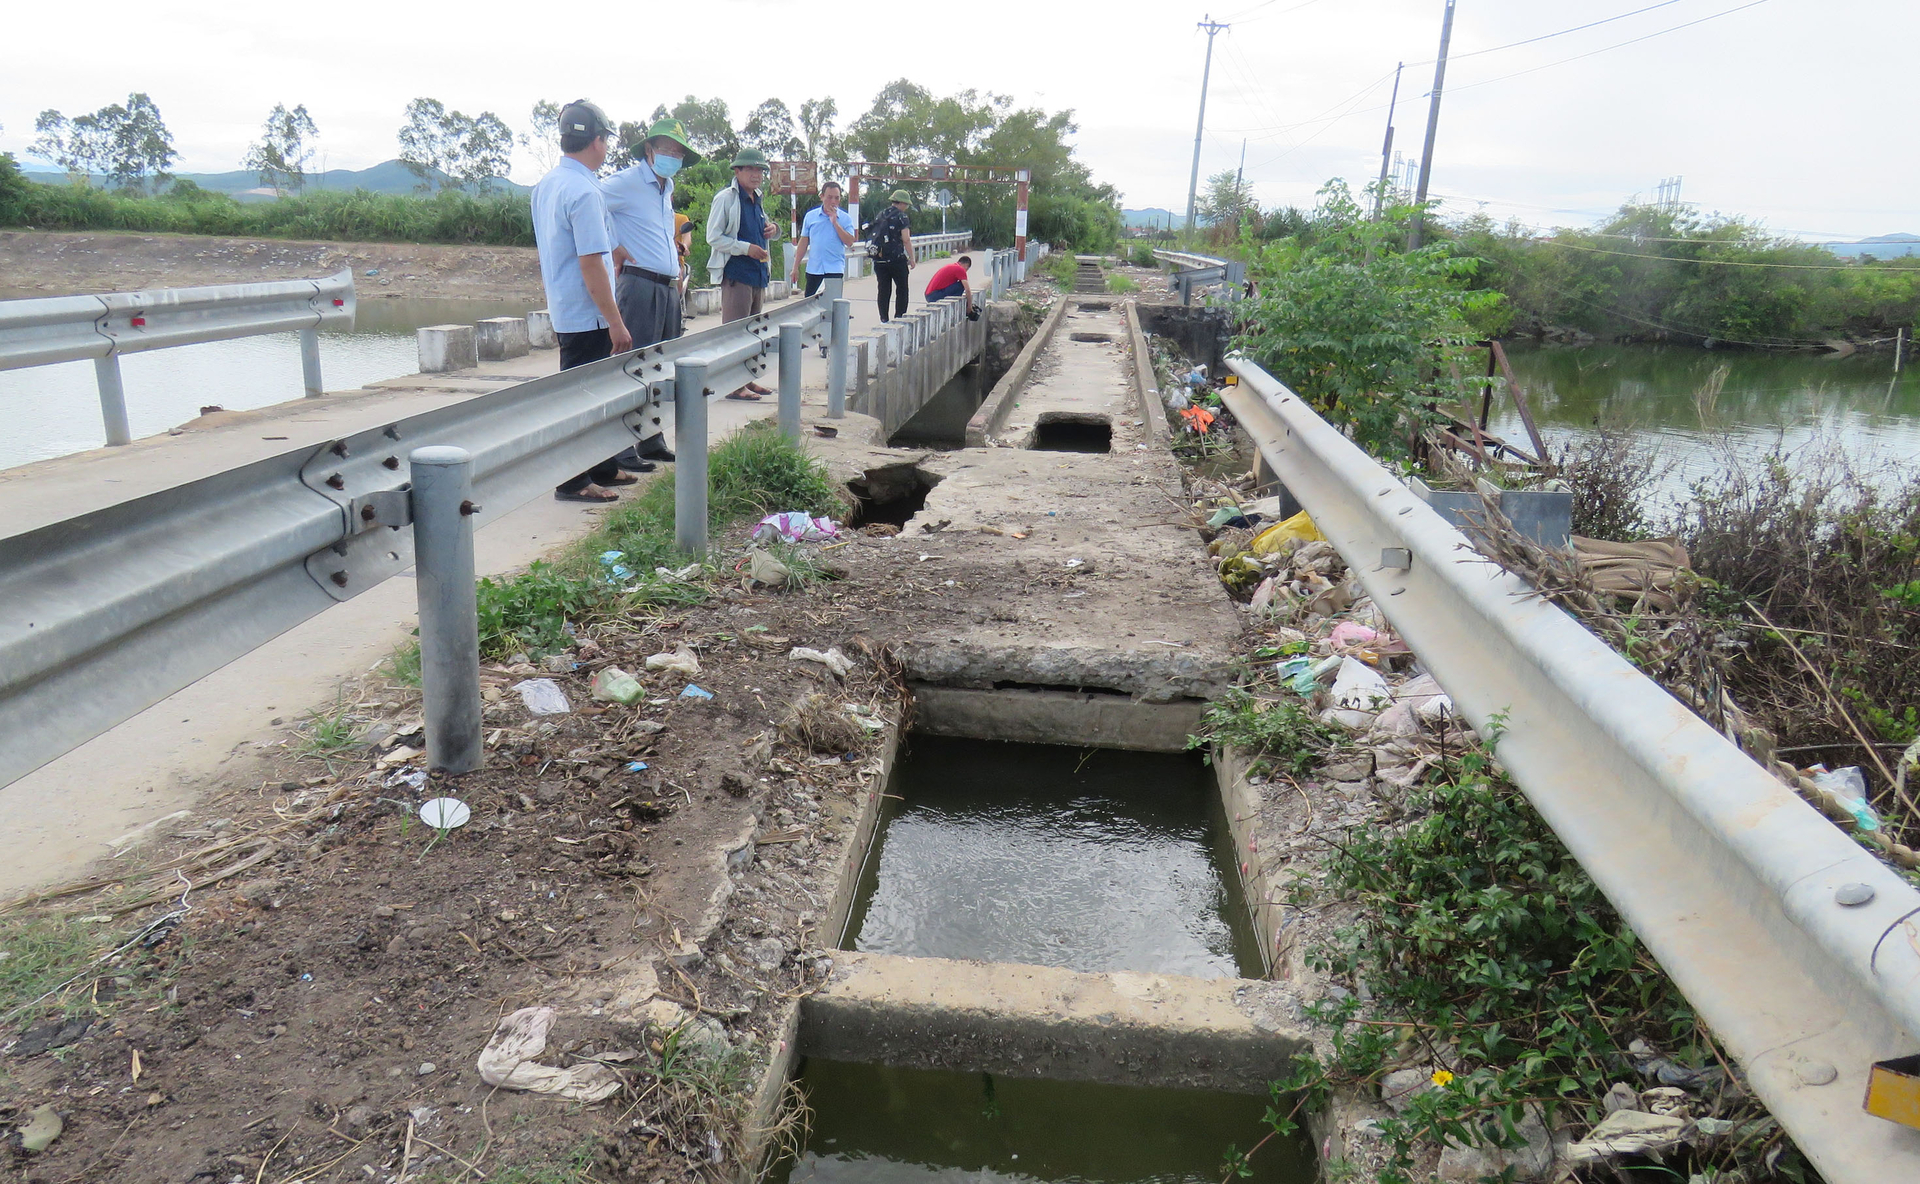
pixel 1794 944
pixel 44 331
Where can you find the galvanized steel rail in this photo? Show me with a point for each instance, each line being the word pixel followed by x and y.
pixel 43 331
pixel 106 614
pixel 1192 273
pixel 1729 878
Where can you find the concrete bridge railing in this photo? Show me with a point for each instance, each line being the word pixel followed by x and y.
pixel 899 369
pixel 1793 943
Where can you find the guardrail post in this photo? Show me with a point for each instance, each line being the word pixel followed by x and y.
pixel 790 381
pixel 837 360
pixel 690 456
pixel 310 362
pixel 113 399
pixel 449 622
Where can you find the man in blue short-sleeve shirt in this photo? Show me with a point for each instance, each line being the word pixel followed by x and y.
pixel 575 238
pixel 825 234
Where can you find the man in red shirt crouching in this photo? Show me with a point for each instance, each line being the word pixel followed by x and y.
pixel 950 281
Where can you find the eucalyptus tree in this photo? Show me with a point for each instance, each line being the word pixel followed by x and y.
pixel 285 148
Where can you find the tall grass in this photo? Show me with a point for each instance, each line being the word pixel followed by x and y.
pixel 449 216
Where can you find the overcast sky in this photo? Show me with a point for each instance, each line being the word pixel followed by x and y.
pixel 1790 111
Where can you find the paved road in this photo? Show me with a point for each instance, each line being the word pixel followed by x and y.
pixel 66 814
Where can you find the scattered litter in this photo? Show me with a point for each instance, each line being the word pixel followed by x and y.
pixel 680 661
pixel 1849 788
pixel 44 1125
pixel 864 716
pixel 1628 1132
pixel 543 696
pixel 611 561
pixel 763 568
pixel 614 685
pixel 1298 528
pixel 1350 633
pixel 636 766
pixel 694 692
pixel 1359 687
pixel 796 526
pixel 445 813
pixel 833 659
pixel 415 779
pixel 1297 673
pixel 398 756
pixel 677 576
pixel 507 1061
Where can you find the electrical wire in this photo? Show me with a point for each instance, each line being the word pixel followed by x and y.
pixel 1713 262
pixel 1455 57
pixel 1616 45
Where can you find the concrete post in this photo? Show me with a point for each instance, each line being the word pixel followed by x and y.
pixel 447 347
pixel 540 334
pixel 310 363
pixel 498 339
pixel 790 381
pixel 449 622
pixel 113 399
pixel 862 371
pixel 837 360
pixel 690 456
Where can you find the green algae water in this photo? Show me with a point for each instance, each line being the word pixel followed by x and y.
pixel 873 1124
pixel 1088 859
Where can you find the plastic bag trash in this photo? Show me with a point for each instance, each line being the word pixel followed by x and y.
pixel 636 766
pixel 763 568
pixel 543 696
pixel 611 561
pixel 1849 788
pixel 1299 527
pixel 796 526
pixel 693 692
pixel 1348 633
pixel 1225 515
pixel 680 661
pixel 1176 399
pixel 614 685
pixel 1297 673
pixel 833 659
pixel 507 1061
pixel 1359 687
pixel 445 813
pixel 678 576
pixel 43 1126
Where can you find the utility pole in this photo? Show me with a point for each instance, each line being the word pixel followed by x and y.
pixel 1211 27
pixel 1433 128
pixel 1380 195
pixel 1239 184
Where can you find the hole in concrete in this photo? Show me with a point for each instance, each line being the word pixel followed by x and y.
pixel 1063 434
pixel 1085 858
pixel 1033 686
pixel 1108 337
pixel 1095 306
pixel 879 1122
pixel 892 494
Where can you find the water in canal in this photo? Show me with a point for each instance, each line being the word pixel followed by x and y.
pixel 878 1125
pixel 942 421
pixel 55 410
pixel 1089 859
pixel 1768 400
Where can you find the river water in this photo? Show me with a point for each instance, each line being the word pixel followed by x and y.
pixel 1767 401
pixel 55 410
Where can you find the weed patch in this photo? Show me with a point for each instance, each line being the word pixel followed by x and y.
pixel 1280 736
pixel 1119 285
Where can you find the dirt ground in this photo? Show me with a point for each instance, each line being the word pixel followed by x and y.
pixel 56 263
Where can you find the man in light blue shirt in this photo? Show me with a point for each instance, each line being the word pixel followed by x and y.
pixel 575 238
pixel 824 237
pixel 640 200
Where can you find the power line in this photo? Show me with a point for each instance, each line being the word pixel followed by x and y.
pixel 1617 45
pixel 1211 27
pixel 1550 36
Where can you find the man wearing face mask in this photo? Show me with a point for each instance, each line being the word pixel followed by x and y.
pixel 640 200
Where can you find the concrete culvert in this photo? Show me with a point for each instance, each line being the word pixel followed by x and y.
pixel 1098 337
pixel 891 494
pixel 1095 306
pixel 1073 434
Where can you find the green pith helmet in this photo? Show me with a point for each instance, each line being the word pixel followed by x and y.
pixel 750 158
pixel 676 131
pixel 900 195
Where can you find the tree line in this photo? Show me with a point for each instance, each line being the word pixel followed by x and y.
pixel 455 152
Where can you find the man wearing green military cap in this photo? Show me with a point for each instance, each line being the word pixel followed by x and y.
pixel 738 231
pixel 890 244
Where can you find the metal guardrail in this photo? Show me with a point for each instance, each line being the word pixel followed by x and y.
pixel 1728 877
pixel 43 331
pixel 1193 273
pixel 925 247
pixel 103 615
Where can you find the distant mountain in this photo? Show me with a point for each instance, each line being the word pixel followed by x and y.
pixel 1880 246
pixel 388 176
pixel 1148 218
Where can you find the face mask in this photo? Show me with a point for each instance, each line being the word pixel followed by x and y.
pixel 665 166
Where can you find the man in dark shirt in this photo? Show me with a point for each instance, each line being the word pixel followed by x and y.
pixel 738 231
pixel 891 242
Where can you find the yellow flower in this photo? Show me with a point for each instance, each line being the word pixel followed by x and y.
pixel 1442 1077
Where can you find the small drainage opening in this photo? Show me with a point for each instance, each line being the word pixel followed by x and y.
pixel 1090 859
pixel 876 1122
pixel 1095 306
pixel 1073 435
pixel 890 494
pixel 1106 337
